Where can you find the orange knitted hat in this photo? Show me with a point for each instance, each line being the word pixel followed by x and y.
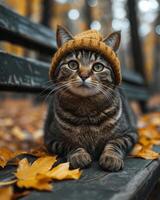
pixel 89 40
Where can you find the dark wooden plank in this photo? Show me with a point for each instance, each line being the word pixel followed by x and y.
pixel 19 30
pixel 134 92
pixel 132 77
pixel 134 182
pixel 21 74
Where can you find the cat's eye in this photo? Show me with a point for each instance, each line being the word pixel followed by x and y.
pixel 98 67
pixel 73 65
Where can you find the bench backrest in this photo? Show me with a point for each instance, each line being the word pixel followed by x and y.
pixel 28 75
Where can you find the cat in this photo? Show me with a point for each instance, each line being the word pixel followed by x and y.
pixel 89 117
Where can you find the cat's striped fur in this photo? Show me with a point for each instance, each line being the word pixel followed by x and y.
pixel 86 126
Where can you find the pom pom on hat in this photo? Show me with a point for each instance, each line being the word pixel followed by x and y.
pixel 89 40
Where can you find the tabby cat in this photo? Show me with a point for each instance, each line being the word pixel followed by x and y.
pixel 89 117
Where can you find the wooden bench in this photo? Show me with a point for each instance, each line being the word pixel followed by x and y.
pixel 26 75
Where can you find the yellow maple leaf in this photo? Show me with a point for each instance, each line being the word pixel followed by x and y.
pixel 41 165
pixel 27 173
pixel 39 174
pixel 62 172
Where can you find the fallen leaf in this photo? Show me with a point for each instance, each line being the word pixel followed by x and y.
pixel 27 173
pixel 5 156
pixel 39 152
pixel 17 132
pixel 144 141
pixel 6 193
pixel 156 142
pixel 137 148
pixel 147 154
pixel 38 182
pixel 39 174
pixel 62 172
pixel 6 122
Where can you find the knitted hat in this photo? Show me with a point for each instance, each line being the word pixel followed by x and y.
pixel 89 40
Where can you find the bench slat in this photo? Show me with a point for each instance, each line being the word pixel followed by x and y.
pixel 28 75
pixel 19 30
pixel 132 77
pixel 21 74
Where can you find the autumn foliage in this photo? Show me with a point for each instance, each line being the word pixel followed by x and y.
pixel 21 135
pixel 149 135
pixel 21 131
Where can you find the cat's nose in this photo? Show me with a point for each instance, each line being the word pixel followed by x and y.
pixel 84 76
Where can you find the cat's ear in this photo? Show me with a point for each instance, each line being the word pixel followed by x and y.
pixel 62 35
pixel 113 40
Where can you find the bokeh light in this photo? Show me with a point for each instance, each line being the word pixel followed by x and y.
pixel 144 29
pixel 147 5
pixel 73 14
pixel 95 25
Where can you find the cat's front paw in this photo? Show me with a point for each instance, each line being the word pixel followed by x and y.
pixel 79 158
pixel 111 162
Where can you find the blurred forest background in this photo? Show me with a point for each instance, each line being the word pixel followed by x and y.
pixel 139 21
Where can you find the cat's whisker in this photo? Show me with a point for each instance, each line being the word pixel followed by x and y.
pixel 60 87
pixel 47 88
pixel 105 93
pixel 107 97
pixel 53 90
pixel 108 88
pixel 48 81
pixel 97 87
pixel 56 88
pixel 50 86
pixel 64 89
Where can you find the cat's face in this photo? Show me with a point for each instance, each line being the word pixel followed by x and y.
pixel 86 73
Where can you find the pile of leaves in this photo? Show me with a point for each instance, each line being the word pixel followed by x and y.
pixel 21 121
pixel 149 136
pixel 21 146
